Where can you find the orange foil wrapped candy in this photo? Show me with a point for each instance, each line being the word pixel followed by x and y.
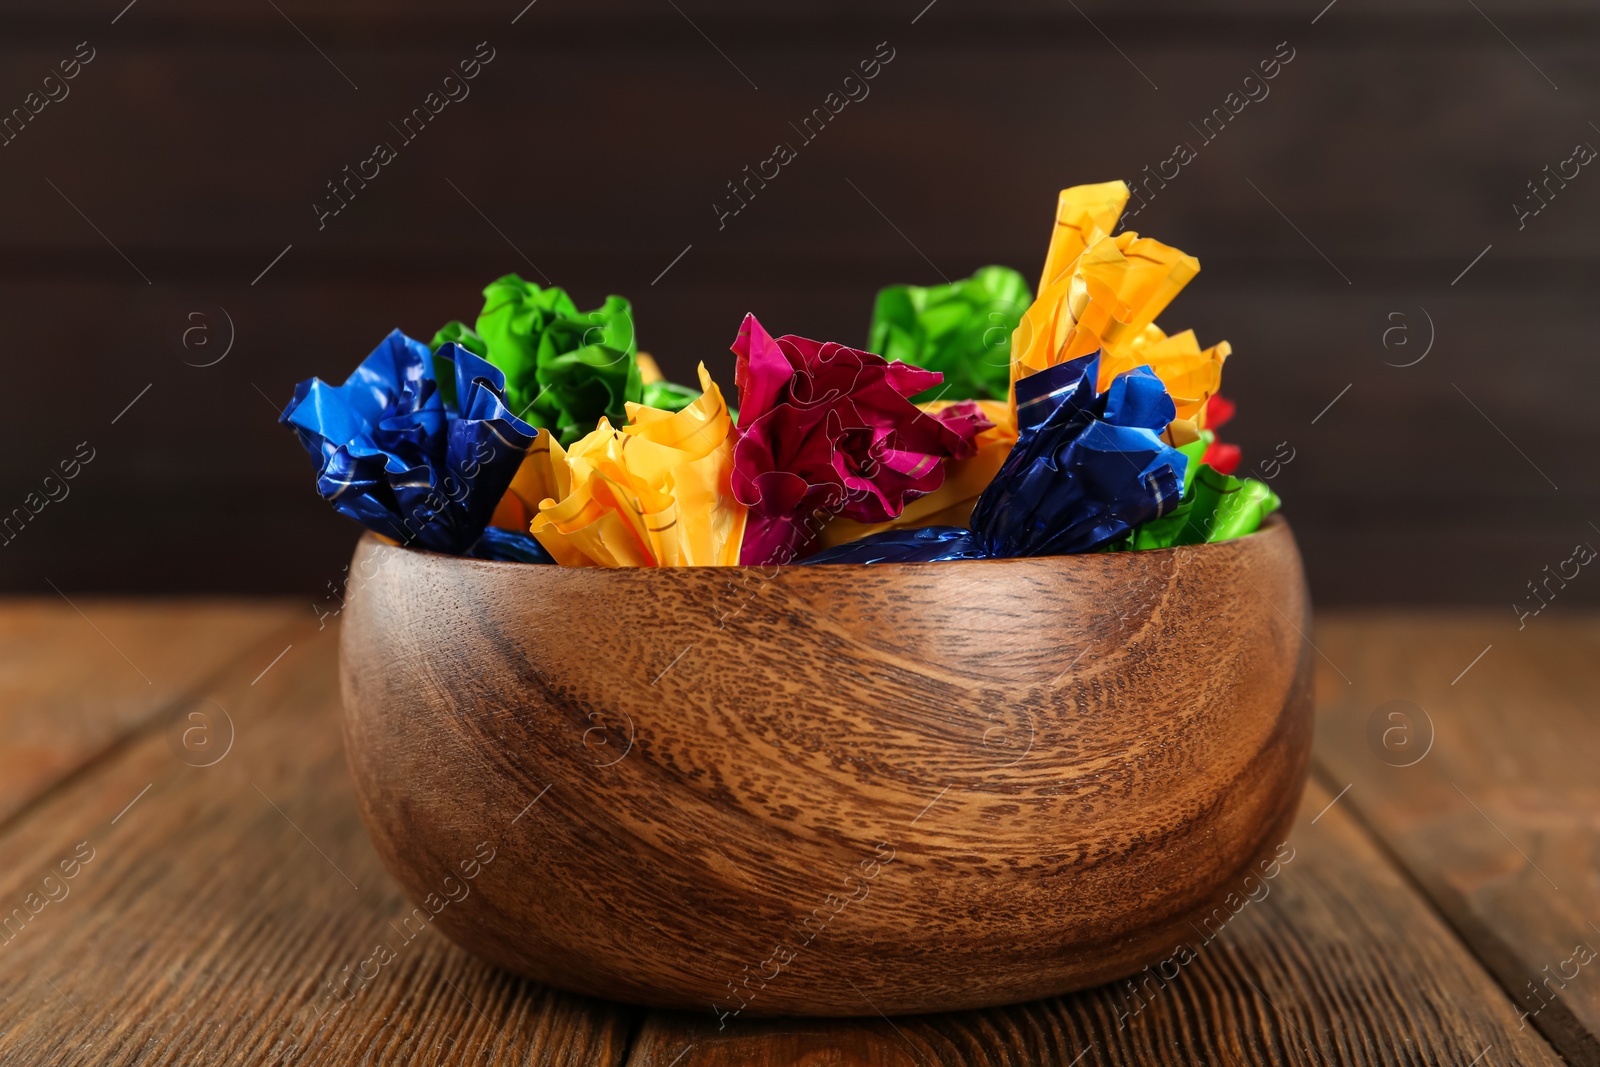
pixel 1102 290
pixel 656 493
pixel 1084 214
pixel 534 483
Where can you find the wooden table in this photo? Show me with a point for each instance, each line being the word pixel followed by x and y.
pixel 186 878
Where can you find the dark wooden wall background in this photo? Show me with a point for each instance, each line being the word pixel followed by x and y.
pixel 597 140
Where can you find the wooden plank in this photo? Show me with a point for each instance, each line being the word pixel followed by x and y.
pixel 1340 962
pixel 222 912
pixel 77 678
pixel 1491 115
pixel 380 16
pixel 1483 783
pixel 203 900
pixel 616 16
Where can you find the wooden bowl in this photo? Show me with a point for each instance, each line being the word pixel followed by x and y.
pixel 829 790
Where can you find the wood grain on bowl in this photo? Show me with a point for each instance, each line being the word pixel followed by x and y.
pixel 812 789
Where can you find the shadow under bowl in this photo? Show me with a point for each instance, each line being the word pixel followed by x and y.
pixel 829 790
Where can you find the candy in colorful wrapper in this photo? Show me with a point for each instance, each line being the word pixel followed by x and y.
pixel 660 393
pixel 1224 457
pixel 1219 411
pixel 649 369
pixel 509 546
pixel 1115 289
pixel 1097 291
pixel 961 329
pixel 1221 456
pixel 1227 507
pixel 516 316
pixel 1087 467
pixel 667 396
pixel 826 430
pixel 1084 214
pixel 964 479
pixel 1103 291
pixel 925 544
pixel 1216 507
pixel 462 334
pixel 395 457
pixel 1191 375
pixel 458 333
pixel 533 484
pixel 1168 524
pixel 655 493
pixel 564 369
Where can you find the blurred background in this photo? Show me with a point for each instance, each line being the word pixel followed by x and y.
pixel 1409 291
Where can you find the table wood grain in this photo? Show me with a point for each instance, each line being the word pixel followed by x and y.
pixel 233 912
pixel 1499 822
pixel 76 677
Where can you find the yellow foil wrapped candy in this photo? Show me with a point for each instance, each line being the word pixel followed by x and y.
pixel 656 493
pixel 964 480
pixel 1102 290
pixel 649 370
pixel 533 484
pixel 1084 214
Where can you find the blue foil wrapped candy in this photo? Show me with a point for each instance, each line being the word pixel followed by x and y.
pixel 394 456
pixel 1086 469
pixel 510 546
pixel 922 544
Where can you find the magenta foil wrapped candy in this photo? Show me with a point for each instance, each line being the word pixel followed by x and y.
pixel 828 430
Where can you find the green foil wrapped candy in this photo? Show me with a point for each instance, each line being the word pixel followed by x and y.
pixel 463 335
pixel 1216 507
pixel 669 396
pixel 963 330
pixel 564 368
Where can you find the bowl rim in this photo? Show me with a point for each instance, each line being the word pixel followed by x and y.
pixel 1275 523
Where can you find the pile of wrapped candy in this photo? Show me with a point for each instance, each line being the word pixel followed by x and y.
pixel 981 422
